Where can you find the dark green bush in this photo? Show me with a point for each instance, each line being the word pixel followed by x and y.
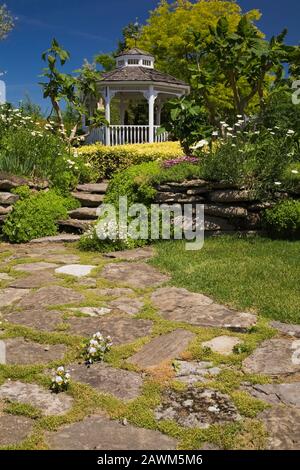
pixel 283 220
pixel 36 216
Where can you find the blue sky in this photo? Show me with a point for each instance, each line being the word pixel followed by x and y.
pixel 92 26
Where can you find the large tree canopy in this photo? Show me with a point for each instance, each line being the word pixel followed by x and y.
pixel 6 22
pixel 168 32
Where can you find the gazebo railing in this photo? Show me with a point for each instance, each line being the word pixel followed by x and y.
pixel 129 134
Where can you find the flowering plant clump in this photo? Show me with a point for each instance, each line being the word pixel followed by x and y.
pixel 60 380
pixel 178 161
pixel 96 347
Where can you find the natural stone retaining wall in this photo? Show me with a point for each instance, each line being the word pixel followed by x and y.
pixel 227 207
pixel 7 198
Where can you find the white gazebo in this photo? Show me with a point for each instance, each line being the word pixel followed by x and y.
pixel 134 78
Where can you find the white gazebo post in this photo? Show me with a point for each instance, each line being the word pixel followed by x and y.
pixel 151 96
pixel 107 114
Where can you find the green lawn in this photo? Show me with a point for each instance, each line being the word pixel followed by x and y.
pixel 257 274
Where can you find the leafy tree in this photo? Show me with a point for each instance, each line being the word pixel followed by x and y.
pixel 168 32
pixel 79 92
pixel 6 22
pixel 241 59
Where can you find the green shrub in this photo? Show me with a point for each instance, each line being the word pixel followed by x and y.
pixel 283 220
pixel 105 161
pixel 36 216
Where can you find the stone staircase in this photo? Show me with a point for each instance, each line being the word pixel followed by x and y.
pixel 90 197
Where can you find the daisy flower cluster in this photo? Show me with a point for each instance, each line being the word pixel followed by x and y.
pixel 60 380
pixel 97 346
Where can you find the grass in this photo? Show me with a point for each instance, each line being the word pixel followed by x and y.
pixel 254 274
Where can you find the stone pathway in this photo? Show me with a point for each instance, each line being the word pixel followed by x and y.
pixel 177 356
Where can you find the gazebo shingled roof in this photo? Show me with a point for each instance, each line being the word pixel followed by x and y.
pixel 141 74
pixel 134 51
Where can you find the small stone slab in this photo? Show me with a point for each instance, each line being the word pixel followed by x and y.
pixel 113 292
pixel 92 311
pixel 222 344
pixel 8 198
pixel 123 330
pixel 84 213
pixel 196 309
pixel 52 295
pixel 31 267
pixel 34 281
pixel 63 238
pixel 274 357
pixel 14 429
pixel 9 296
pixel 77 270
pixel 286 393
pixel 123 384
pixel 127 305
pixel 19 351
pixel 137 254
pixel 87 199
pixel 197 408
pixel 44 320
pixel 283 427
pixel 63 258
pixel 231 195
pixel 5 277
pixel 49 403
pixel 87 282
pixel 99 433
pixel 136 275
pixel 286 328
pixel 98 188
pixel 163 348
pixel 192 372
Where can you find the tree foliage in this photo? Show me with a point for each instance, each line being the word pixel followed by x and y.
pixel 78 92
pixel 6 22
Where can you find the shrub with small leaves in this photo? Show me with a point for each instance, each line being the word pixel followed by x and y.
pixel 283 220
pixel 96 347
pixel 60 380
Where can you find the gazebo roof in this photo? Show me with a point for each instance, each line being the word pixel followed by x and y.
pixel 134 51
pixel 140 74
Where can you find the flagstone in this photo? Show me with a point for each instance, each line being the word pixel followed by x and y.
pixel 9 296
pixel 98 432
pixel 194 371
pixel 127 305
pixel 162 348
pixel 283 427
pixel 112 292
pixel 19 351
pixel 31 267
pixel 52 295
pixel 14 429
pixel 287 328
pixel 44 320
pixel 92 311
pixel 34 281
pixel 122 329
pixel 196 309
pixel 197 408
pixel 274 357
pixel 63 258
pixel 132 255
pixel 47 402
pixel 123 384
pixel 77 270
pixel 285 393
pixel 136 275
pixel 222 344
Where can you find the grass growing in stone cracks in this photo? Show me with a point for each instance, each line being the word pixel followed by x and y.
pixel 140 412
pixel 257 274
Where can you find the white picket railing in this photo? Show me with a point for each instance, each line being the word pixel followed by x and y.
pixel 120 135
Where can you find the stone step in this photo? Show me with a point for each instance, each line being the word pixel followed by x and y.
pixel 75 225
pixel 98 188
pixel 88 199
pixel 5 210
pixel 61 238
pixel 84 213
pixel 6 199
